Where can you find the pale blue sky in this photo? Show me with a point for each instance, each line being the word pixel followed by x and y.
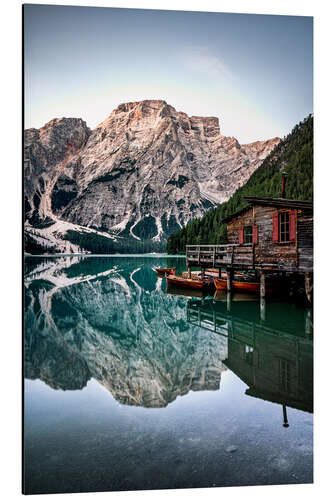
pixel 254 72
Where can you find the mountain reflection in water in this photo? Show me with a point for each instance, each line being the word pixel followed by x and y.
pixel 86 320
pixel 110 321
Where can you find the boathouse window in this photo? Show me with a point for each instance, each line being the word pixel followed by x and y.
pixel 248 234
pixel 284 226
pixel 284 229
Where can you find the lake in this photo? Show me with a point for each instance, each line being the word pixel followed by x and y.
pixel 132 386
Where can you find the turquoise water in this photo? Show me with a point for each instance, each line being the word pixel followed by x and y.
pixel 130 386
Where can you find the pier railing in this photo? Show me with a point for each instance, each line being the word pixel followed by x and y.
pixel 220 255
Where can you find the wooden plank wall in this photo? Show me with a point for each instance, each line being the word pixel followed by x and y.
pixel 266 252
pixel 305 241
pixel 245 219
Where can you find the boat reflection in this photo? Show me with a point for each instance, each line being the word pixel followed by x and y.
pixel 274 356
pixel 184 292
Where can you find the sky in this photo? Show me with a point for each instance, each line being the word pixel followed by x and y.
pixel 253 72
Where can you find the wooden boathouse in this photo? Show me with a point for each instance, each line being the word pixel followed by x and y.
pixel 267 235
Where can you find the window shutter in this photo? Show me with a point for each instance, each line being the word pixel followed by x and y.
pixel 292 226
pixel 255 234
pixel 241 236
pixel 276 227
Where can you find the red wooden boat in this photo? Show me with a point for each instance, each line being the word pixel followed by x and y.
pixel 246 286
pixel 196 283
pixel 165 270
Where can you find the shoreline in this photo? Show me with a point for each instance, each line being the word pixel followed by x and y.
pixel 52 255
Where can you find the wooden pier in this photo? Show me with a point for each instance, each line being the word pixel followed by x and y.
pixel 221 256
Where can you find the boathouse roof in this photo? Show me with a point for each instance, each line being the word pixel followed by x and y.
pixel 271 202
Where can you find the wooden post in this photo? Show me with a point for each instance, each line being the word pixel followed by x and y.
pixel 262 309
pixel 203 272
pixel 189 271
pixel 308 286
pixel 262 284
pixel 285 418
pixel 220 272
pixel 308 324
pixel 230 273
pixel 228 301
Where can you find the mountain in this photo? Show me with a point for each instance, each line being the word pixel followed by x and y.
pixel 140 175
pixel 294 155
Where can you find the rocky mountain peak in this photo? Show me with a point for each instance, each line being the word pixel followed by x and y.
pixel 139 109
pixel 142 173
pixel 64 128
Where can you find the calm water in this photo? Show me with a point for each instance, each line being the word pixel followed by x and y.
pixel 132 386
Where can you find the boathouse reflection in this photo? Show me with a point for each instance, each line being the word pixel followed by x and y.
pixel 273 357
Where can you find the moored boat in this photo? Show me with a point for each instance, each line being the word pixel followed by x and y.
pixel 198 283
pixel 213 273
pixel 246 286
pixel 165 270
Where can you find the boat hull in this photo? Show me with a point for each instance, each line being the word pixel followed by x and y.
pixel 246 286
pixel 197 284
pixel 221 284
pixel 162 271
